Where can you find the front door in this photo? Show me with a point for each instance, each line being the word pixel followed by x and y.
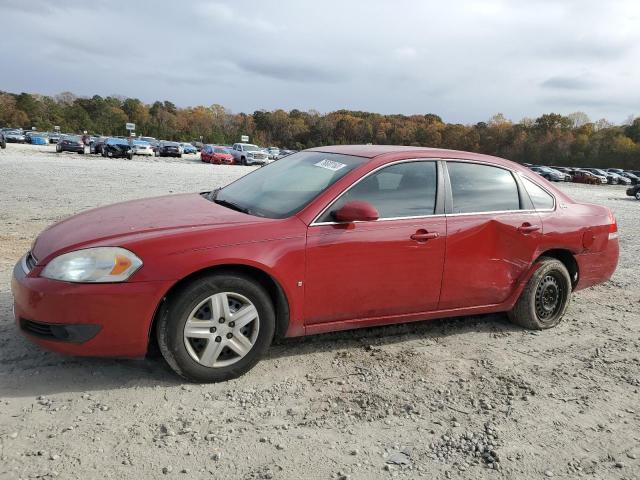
pixel 384 268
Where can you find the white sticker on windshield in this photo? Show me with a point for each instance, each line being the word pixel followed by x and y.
pixel 330 165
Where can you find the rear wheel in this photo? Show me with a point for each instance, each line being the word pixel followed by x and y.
pixel 545 299
pixel 216 328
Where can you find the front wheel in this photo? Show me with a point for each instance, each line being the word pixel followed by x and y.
pixel 637 195
pixel 216 328
pixel 545 299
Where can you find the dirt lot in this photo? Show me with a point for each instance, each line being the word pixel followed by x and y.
pixel 463 398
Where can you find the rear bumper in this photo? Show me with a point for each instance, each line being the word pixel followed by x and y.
pixel 101 320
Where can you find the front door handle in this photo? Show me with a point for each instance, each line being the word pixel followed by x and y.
pixel 422 236
pixel 526 227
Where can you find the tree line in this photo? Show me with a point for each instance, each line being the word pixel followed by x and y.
pixel 551 139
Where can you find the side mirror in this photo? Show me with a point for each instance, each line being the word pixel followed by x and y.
pixel 356 211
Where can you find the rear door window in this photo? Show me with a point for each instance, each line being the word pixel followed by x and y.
pixel 477 188
pixel 539 197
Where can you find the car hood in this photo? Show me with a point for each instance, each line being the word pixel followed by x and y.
pixel 129 222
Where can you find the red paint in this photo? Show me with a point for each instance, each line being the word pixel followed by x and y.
pixel 216 158
pixel 353 275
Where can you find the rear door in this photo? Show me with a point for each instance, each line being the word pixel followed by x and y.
pixel 492 235
pixel 389 267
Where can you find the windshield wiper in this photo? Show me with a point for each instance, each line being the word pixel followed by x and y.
pixel 211 196
pixel 232 206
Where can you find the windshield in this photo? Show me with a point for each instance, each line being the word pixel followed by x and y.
pixel 250 148
pixel 220 150
pixel 285 187
pixel 71 138
pixel 117 141
pixel 141 143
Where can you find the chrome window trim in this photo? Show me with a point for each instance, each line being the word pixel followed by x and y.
pixel 322 212
pixel 386 219
pixel 489 212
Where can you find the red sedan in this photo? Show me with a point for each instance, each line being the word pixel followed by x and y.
pixel 216 155
pixel 326 239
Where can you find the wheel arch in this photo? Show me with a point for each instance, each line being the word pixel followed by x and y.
pixel 273 287
pixel 569 261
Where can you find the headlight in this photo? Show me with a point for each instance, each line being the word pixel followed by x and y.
pixel 101 264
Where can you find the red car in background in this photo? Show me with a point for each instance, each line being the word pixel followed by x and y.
pixel 217 155
pixel 326 239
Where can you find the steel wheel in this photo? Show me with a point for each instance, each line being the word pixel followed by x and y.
pixel 221 330
pixel 549 297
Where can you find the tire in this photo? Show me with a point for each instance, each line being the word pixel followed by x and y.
pixel 637 195
pixel 130 156
pixel 243 161
pixel 179 155
pixel 532 311
pixel 58 149
pixel 187 355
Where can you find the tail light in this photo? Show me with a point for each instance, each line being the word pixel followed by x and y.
pixel 613 226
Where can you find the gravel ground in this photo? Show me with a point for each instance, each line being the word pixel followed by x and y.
pixel 471 397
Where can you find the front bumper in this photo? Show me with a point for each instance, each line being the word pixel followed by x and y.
pixel 101 320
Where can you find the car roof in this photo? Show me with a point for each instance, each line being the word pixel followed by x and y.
pixel 372 151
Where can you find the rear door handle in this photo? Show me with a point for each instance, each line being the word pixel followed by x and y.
pixel 528 228
pixel 422 236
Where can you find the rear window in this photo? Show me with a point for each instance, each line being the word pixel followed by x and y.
pixel 539 197
pixel 477 188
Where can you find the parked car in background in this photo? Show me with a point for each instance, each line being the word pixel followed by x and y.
pixel 273 152
pixel 199 145
pixel 634 192
pixel 611 178
pixel 70 143
pixel 248 154
pixel 217 276
pixel 37 138
pixel 217 155
pixel 584 176
pixel 115 147
pixel 626 174
pixel 619 179
pixel 549 173
pixel 168 149
pixel 187 148
pixel 15 136
pixel 566 170
pixel 285 153
pixel 141 147
pixel 54 137
pixel 150 140
pixel 96 145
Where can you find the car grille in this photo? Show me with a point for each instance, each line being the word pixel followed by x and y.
pixel 36 328
pixel 259 156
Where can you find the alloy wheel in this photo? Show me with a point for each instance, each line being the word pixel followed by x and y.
pixel 221 330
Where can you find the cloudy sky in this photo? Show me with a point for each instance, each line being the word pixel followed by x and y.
pixel 463 60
